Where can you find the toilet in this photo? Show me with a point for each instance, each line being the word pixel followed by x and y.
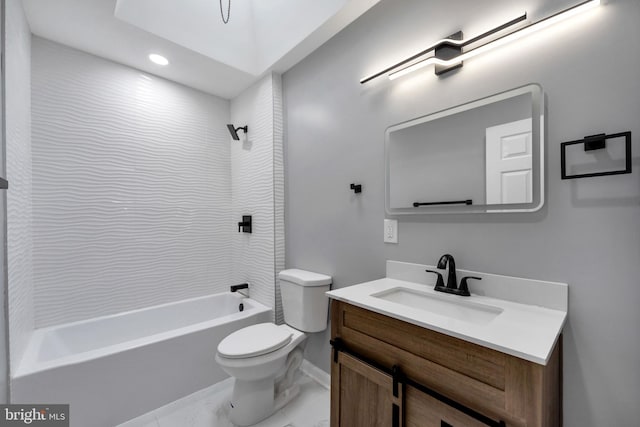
pixel 264 358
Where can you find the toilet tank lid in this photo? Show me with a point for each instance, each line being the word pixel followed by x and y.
pixel 304 278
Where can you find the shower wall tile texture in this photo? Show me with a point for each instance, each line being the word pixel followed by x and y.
pixel 18 169
pixel 132 200
pixel 257 181
pixel 278 189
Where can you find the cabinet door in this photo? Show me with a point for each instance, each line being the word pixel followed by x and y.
pixel 422 410
pixel 362 396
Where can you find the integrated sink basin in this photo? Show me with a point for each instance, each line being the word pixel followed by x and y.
pixel 442 305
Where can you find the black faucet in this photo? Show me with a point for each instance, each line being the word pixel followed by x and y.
pixel 445 261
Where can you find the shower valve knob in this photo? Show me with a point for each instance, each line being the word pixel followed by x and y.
pixel 245 225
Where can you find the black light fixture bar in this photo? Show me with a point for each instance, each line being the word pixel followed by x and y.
pixel 445 64
pixel 446 42
pixel 496 29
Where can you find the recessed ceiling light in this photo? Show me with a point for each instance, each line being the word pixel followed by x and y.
pixel 158 59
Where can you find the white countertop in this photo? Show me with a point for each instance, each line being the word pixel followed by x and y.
pixel 522 330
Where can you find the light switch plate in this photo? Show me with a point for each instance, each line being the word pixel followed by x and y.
pixel 391 231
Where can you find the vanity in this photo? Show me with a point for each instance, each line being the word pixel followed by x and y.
pixel 405 355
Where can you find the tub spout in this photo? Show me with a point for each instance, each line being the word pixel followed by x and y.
pixel 236 288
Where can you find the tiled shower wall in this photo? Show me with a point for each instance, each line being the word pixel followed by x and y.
pixel 258 190
pixel 131 188
pixel 278 190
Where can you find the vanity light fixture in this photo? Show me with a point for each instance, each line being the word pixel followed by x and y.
pixel 448 53
pixel 158 59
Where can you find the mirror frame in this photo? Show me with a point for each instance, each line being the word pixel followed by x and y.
pixel 538 150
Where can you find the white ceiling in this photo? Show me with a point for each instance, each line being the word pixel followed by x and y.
pixel 261 36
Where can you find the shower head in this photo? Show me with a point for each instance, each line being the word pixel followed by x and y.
pixel 234 131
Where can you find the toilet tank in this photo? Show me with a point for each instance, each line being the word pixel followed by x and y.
pixel 305 305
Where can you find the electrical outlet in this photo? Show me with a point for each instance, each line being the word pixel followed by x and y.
pixel 391 231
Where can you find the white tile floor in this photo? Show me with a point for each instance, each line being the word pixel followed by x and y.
pixel 209 407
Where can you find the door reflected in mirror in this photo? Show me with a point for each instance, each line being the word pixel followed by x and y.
pixel 483 156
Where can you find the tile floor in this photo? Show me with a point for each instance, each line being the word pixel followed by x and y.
pixel 209 407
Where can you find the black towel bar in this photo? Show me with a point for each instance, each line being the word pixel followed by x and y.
pixel 452 202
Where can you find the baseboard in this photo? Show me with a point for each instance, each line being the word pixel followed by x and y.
pixel 320 376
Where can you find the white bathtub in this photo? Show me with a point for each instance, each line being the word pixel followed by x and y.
pixel 113 368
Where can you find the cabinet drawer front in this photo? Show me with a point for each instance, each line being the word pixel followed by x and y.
pixel 474 361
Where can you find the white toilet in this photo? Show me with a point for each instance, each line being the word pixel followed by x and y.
pixel 264 358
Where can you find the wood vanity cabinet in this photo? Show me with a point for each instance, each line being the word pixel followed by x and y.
pixel 447 382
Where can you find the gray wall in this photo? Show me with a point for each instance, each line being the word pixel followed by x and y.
pixel 588 233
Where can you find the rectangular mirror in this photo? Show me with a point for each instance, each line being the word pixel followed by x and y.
pixel 485 156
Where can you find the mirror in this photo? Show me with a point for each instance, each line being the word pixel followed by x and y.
pixel 485 156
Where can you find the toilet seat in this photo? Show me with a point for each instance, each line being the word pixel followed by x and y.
pixel 254 340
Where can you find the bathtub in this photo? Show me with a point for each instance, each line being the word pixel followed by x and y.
pixel 114 368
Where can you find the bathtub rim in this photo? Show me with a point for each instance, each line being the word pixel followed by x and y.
pixel 29 363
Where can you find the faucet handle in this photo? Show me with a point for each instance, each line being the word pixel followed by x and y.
pixel 439 281
pixel 464 289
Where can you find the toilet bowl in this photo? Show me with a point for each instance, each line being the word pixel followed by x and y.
pixel 265 358
pixel 264 380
